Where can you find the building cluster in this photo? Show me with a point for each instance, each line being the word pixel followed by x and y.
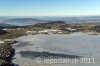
pixel 45 31
pixel 13 29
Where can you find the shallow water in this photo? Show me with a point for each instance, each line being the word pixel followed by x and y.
pixel 79 44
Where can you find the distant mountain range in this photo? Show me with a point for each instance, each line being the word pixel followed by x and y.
pixel 22 21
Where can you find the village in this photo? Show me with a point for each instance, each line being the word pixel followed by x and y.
pixel 48 31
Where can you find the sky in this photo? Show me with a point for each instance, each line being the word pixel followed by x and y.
pixel 49 7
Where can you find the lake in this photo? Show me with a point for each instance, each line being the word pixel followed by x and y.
pixel 79 44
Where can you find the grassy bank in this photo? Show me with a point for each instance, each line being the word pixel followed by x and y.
pixel 12 34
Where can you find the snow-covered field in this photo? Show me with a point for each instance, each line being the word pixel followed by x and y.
pixel 79 44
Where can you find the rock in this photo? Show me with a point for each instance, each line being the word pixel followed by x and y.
pixel 6 54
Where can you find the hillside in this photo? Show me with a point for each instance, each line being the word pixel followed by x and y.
pixel 23 21
pixel 5 25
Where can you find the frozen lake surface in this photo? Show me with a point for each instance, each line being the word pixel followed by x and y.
pixel 79 44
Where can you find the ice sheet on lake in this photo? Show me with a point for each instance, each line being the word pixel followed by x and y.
pixel 75 44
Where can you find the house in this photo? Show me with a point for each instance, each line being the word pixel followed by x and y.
pixel 20 29
pixel 31 32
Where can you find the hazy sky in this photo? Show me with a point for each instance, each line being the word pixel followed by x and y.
pixel 49 7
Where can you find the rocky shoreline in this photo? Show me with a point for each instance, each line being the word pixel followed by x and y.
pixel 6 53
